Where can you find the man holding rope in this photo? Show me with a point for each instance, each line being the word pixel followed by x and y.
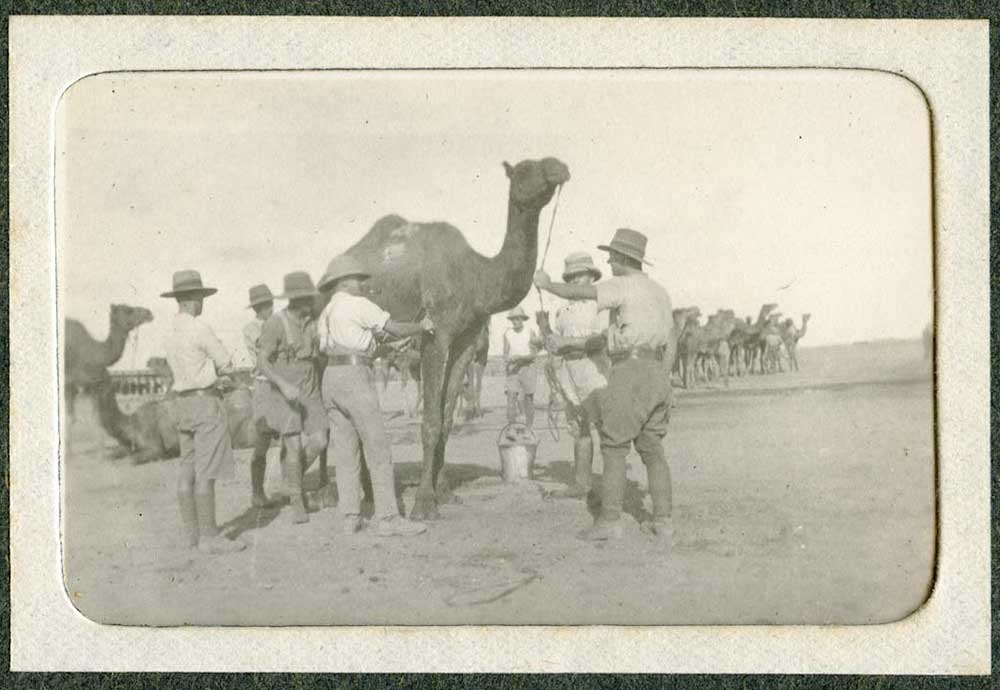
pixel 577 342
pixel 635 407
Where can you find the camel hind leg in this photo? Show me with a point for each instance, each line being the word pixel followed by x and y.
pixel 455 379
pixel 434 360
pixel 478 373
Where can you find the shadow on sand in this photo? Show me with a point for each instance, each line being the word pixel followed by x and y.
pixel 562 471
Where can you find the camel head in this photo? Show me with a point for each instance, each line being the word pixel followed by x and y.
pixel 806 317
pixel 766 310
pixel 127 317
pixel 532 183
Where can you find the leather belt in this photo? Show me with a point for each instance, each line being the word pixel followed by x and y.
pixel 348 360
pixel 210 391
pixel 638 353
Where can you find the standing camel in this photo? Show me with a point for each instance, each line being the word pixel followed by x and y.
pixel 754 344
pixel 87 360
pixel 473 380
pixel 739 340
pixel 681 317
pixel 689 346
pixel 431 267
pixel 404 357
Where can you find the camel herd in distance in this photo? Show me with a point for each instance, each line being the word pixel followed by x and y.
pixel 726 345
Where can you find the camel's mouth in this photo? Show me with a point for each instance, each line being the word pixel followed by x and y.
pixel 556 172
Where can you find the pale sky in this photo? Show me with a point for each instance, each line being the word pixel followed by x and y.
pixel 745 181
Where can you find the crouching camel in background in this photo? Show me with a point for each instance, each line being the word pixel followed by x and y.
pixel 150 433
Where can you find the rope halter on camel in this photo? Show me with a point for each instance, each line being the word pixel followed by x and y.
pixel 548 243
pixel 552 413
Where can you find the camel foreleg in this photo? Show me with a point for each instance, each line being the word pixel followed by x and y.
pixel 455 373
pixel 434 361
pixel 478 371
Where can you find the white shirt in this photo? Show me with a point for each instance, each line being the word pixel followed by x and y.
pixel 194 353
pixel 519 344
pixel 350 322
pixel 578 319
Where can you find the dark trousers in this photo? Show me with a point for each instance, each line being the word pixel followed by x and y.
pixel 634 410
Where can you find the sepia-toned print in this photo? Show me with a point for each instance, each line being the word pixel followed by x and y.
pixel 638 347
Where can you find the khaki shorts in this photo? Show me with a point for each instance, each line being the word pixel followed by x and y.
pixel 635 403
pixel 203 428
pixel 283 418
pixel 522 380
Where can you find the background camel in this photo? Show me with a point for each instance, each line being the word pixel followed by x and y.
pixel 688 344
pixel 754 344
pixel 681 317
pixel 429 267
pixel 403 356
pixel 87 360
pixel 150 433
pixel 703 351
pixel 473 380
pixel 739 339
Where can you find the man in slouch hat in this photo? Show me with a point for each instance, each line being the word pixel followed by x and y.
pixel 197 359
pixel 634 408
pixel 286 356
pixel 349 328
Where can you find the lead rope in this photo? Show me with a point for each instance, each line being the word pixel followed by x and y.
pixel 548 242
pixel 552 413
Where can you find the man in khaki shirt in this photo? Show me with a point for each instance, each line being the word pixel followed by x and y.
pixel 286 355
pixel 197 358
pixel 634 408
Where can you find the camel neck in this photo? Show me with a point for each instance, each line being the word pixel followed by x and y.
pixel 117 335
pixel 510 272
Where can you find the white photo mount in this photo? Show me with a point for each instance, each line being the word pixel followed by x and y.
pixel 947 60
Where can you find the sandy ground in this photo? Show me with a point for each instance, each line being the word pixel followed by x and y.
pixel 798 498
